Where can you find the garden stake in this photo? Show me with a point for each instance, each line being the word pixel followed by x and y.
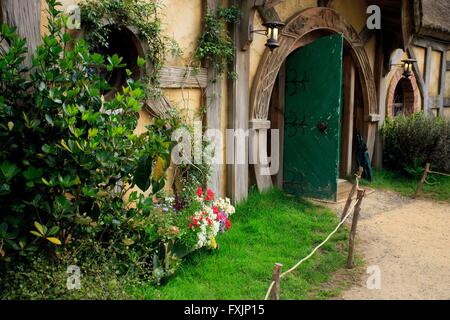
pixel 422 181
pixel 352 192
pixel 351 247
pixel 275 293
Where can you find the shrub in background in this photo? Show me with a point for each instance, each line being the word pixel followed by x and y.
pixel 412 141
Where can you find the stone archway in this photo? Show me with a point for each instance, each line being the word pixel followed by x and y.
pixel 410 90
pixel 297 29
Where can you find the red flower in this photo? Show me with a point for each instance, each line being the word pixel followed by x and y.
pixel 209 195
pixel 228 224
pixel 215 210
pixel 209 221
pixel 194 222
pixel 199 191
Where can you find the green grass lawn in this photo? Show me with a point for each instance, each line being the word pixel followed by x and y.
pixel 267 228
pixel 437 189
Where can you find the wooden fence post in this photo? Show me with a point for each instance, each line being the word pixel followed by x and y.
pixel 422 181
pixel 352 193
pixel 275 293
pixel 351 246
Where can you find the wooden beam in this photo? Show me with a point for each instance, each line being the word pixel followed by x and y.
pixel 347 117
pixel 435 102
pixel 268 14
pixel 366 34
pixel 419 77
pixel 238 117
pixel 181 77
pixel 427 80
pixel 26 17
pixel 442 82
pixel 425 43
pixel 213 102
pixel 447 102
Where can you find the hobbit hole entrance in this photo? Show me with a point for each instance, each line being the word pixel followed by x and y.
pixel 123 42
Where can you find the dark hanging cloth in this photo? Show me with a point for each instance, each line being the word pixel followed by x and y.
pixel 363 158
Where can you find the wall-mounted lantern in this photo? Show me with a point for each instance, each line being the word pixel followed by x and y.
pixel 272 25
pixel 407 65
pixel 273 30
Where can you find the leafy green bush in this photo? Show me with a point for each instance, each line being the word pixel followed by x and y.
pixel 69 164
pixel 68 157
pixel 412 141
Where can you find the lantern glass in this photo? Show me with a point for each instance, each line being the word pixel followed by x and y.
pixel 408 67
pixel 275 34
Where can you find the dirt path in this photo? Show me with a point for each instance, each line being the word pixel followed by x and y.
pixel 409 241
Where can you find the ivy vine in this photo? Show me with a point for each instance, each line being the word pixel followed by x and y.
pixel 215 45
pixel 140 14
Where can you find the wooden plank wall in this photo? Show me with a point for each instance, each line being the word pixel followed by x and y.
pixel 26 17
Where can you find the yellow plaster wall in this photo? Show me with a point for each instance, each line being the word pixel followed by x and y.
pixel 182 21
pixel 436 59
pixel 420 57
pixel 257 49
pixel 289 7
pixel 353 11
pixel 447 112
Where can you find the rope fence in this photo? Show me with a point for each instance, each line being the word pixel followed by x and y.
pixel 426 172
pixel 274 289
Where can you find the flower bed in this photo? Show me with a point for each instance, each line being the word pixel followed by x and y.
pixel 213 217
pixel 182 228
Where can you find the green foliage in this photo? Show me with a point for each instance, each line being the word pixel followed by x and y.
pixel 215 45
pixel 412 141
pixel 140 14
pixel 68 157
pixel 270 227
pixel 44 279
pixel 69 162
pixel 437 187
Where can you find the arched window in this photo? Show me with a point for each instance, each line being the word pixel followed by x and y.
pixel 126 44
pixel 399 100
pixel 403 95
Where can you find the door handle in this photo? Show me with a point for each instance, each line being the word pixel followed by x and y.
pixel 322 126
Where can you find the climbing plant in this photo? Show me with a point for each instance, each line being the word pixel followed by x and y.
pixel 143 15
pixel 215 45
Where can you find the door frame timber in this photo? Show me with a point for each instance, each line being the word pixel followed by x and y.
pixel 301 29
